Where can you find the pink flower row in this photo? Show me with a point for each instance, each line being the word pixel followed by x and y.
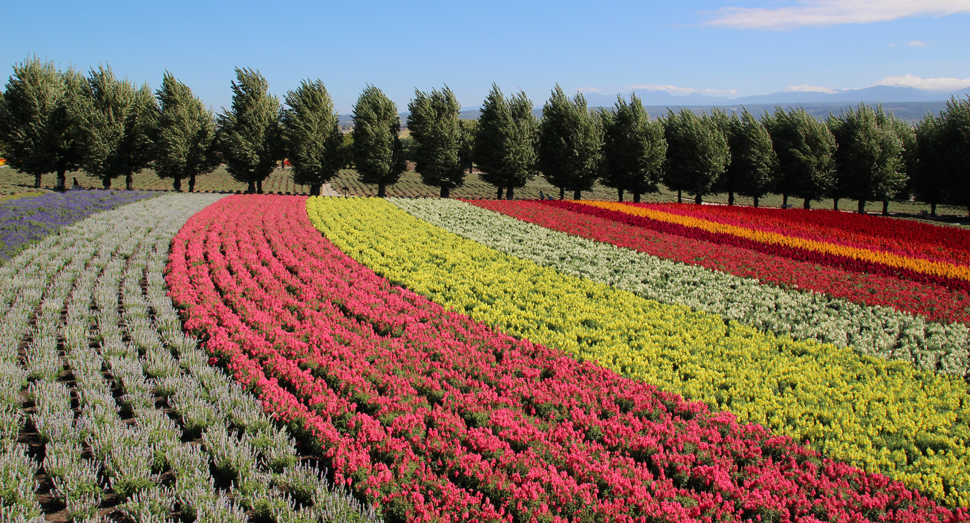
pixel 934 302
pixel 433 416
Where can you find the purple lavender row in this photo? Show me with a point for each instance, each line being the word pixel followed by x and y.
pixel 26 220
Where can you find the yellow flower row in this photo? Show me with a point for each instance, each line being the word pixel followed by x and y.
pixel 883 416
pixel 885 258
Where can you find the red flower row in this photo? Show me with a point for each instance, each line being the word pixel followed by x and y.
pixel 903 237
pixel 934 302
pixel 434 416
pixel 794 253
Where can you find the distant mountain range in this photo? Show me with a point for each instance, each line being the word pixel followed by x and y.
pixel 878 94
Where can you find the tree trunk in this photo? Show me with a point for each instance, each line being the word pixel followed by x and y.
pixel 680 196
pixel 510 193
pixel 106 182
pixel 252 187
pixel 619 195
pixel 445 192
pixel 578 195
pixel 835 204
pixel 756 201
pixel 885 207
pixel 36 181
pixel 128 180
pixel 192 182
pixel 862 206
pixel 933 210
pixel 381 190
pixel 699 199
pixel 177 184
pixel 259 186
pixel 730 197
pixel 315 189
pixel 807 204
pixel 499 197
pixel 784 200
pixel 636 197
pixel 62 179
pixel 562 193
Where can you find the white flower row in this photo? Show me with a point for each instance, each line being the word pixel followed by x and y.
pixel 801 315
pixel 135 344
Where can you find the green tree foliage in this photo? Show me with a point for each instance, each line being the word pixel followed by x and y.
pixel 869 158
pixel 37 129
pixel 378 154
pixel 505 141
pixel 634 149
pixel 116 126
pixel 312 136
pixel 955 145
pixel 697 153
pixel 753 160
pixel 569 143
pixel 185 140
pixel 805 149
pixel 435 127
pixel 929 181
pixel 250 137
pixel 466 151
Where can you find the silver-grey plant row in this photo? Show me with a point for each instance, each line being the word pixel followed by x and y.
pixel 91 300
pixel 870 330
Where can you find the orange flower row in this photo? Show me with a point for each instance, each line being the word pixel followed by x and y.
pixel 923 266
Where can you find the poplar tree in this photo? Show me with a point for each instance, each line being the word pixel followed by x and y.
pixel 250 137
pixel 437 133
pixel 697 153
pixel 929 181
pixel 869 157
pixel 505 141
pixel 805 149
pixel 37 129
pixel 569 143
pixel 312 135
pixel 753 160
pixel 634 149
pixel 116 124
pixel 185 143
pixel 955 144
pixel 378 155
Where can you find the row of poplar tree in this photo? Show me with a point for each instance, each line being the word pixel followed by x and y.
pixel 54 121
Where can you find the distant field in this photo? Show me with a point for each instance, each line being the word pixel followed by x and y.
pixel 410 186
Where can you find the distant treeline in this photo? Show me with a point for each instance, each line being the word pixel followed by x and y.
pixel 56 121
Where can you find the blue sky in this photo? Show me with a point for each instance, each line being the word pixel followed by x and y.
pixel 732 48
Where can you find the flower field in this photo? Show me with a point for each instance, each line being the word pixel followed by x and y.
pixel 27 220
pixel 828 251
pixel 481 361
pixel 108 411
pixel 933 302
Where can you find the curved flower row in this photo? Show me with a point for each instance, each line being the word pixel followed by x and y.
pixel 869 330
pixel 933 302
pixel 26 220
pixel 882 415
pixel 437 417
pixel 862 260
pixel 905 237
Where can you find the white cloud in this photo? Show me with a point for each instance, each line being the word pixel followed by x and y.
pixel 929 84
pixel 588 90
pixel 913 43
pixel 832 12
pixel 805 88
pixel 672 89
